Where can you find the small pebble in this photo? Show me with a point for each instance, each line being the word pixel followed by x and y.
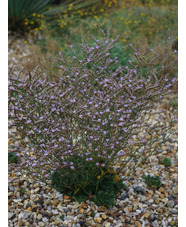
pixel 124 196
pixel 139 190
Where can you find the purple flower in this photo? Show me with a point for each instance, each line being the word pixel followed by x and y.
pixel 121 153
pixel 173 80
pixel 124 129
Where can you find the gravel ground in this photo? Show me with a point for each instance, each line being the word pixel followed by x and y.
pixel 138 205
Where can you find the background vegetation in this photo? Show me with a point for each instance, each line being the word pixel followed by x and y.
pixel 57 24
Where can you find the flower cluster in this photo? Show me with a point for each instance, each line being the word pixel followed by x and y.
pixel 34 24
pixel 89 118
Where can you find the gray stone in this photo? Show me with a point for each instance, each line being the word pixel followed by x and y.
pixel 55 212
pixel 65 209
pixel 59 195
pixel 142 197
pixel 39 217
pixel 159 150
pixel 139 190
pixel 174 211
pixel 49 208
pixel 10 215
pixel 68 217
pixel 155 223
pixel 23 215
pixel 45 219
pixel 152 217
pixel 60 208
pixel 124 196
pixel 138 211
pixel 11 188
pixel 170 198
pixel 28 204
pixel 17 200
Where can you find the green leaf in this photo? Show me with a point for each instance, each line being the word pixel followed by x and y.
pixel 119 185
pixel 80 197
pixel 104 198
pixel 62 217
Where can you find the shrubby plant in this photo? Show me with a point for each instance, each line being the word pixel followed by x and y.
pixel 166 161
pixel 153 181
pixel 90 124
pixel 22 190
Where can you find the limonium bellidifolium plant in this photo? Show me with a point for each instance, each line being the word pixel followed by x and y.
pixel 90 124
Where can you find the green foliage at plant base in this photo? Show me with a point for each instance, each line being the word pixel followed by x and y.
pixel 101 188
pixel 153 182
pixel 12 158
pixel 166 161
